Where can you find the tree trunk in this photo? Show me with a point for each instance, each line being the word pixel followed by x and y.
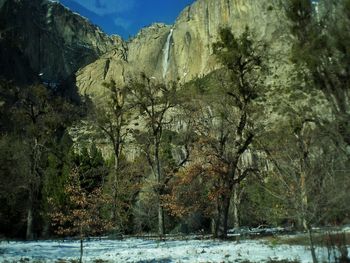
pixel 29 232
pixel 81 250
pixel 304 200
pixel 213 226
pixel 46 229
pixel 33 187
pixel 161 228
pixel 236 202
pixel 115 187
pixel 312 245
pixel 221 224
pixel 161 225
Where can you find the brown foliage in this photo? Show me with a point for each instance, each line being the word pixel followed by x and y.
pixel 196 187
pixel 81 214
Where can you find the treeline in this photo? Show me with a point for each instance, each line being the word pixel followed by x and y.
pixel 249 144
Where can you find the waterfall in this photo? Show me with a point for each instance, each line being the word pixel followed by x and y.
pixel 166 53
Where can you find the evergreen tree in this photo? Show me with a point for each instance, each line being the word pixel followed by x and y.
pixel 37 120
pixel 91 167
pixel 15 164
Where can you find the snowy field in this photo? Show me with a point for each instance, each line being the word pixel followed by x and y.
pixel 139 250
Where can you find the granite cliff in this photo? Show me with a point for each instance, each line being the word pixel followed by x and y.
pixel 183 51
pixel 44 37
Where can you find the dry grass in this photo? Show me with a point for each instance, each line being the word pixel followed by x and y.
pixel 273 261
pixel 320 239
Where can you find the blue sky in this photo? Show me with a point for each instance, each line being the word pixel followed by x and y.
pixel 127 17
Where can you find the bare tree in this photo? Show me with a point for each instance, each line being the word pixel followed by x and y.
pixel 228 124
pixel 113 119
pixel 155 102
pixel 310 177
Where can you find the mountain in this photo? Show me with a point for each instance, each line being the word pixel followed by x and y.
pixel 184 51
pixel 43 37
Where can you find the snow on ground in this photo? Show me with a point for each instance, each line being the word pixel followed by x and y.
pixel 141 250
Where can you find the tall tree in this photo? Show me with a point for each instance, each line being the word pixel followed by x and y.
pixel 15 164
pixel 33 110
pixel 232 122
pixel 39 117
pixel 305 175
pixel 321 55
pixel 113 120
pixel 58 162
pixel 155 102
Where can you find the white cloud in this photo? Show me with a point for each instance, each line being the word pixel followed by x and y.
pixel 106 7
pixel 123 23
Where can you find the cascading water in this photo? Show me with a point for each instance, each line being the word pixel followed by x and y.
pixel 166 52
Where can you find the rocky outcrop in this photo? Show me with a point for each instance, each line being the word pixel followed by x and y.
pixel 53 40
pixel 197 28
pixel 144 54
pixel 184 50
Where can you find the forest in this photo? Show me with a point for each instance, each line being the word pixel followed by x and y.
pixel 245 145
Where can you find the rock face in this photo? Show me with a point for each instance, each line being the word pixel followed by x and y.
pixel 144 53
pixel 51 39
pixel 184 50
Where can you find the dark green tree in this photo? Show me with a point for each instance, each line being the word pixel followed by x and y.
pixel 36 118
pixel 91 167
pixel 59 160
pixel 15 164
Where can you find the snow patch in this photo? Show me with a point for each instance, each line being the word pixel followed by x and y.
pixel 140 250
